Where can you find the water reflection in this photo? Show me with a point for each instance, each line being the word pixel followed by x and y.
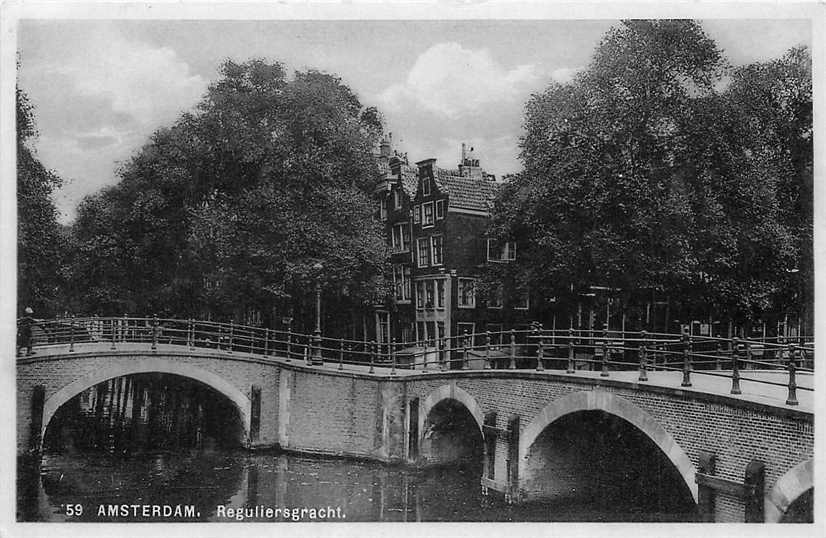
pixel 207 480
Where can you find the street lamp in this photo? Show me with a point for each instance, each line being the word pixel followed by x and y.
pixel 316 355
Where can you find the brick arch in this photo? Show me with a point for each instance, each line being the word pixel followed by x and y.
pixel 595 400
pixel 450 392
pixel 150 365
pixel 797 481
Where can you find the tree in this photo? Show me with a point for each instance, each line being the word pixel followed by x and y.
pixel 636 178
pixel 40 258
pixel 236 202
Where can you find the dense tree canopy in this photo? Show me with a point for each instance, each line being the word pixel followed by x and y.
pixel 237 201
pixel 39 236
pixel 647 172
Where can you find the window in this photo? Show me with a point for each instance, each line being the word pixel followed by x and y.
pixel 383 208
pixel 501 252
pixel 401 283
pixel 467 293
pixel 401 237
pixel 382 327
pixel 420 294
pixel 425 187
pixel 522 299
pixel 440 294
pixel 427 217
pixel 397 199
pixel 495 296
pixel 436 247
pixel 429 291
pixel 440 329
pixel 417 214
pixel 440 209
pixel 424 251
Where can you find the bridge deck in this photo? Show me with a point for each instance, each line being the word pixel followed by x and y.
pixel 752 389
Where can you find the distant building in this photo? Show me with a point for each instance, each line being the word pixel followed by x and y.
pixel 435 223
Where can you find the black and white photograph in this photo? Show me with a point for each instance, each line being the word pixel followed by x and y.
pixel 431 265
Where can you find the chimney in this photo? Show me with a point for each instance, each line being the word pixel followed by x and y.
pixel 384 147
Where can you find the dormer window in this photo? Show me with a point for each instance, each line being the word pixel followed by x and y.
pixel 425 187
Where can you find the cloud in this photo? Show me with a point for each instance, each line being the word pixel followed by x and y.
pixel 98 96
pixel 450 80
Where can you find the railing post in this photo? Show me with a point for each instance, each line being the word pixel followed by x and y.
pixel 487 350
pixel 123 326
pixel 792 399
pixel 154 332
pixel 341 355
pixel 540 351
pixel 72 334
pixel 289 343
pixel 307 351
pixel 393 357
pixel 465 364
pixel 372 356
pixel 643 357
pixel 749 365
pixel 190 333
pixel 570 369
pixel 717 365
pixel 687 350
pixel 112 325
pixel 231 333
pixel 735 367
pixel 512 364
pixel 605 351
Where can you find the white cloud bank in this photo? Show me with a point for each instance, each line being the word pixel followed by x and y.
pixel 98 100
pixel 450 80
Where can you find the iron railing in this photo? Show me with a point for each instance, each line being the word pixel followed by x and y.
pixel 538 349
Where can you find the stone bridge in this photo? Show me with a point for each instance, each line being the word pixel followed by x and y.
pixel 538 434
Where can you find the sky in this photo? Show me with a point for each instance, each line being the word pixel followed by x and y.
pixel 101 87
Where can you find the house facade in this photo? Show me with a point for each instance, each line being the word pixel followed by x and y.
pixel 435 223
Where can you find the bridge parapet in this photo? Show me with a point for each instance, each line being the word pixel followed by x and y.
pixel 704 361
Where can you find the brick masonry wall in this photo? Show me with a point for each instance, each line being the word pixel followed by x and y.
pixel 364 416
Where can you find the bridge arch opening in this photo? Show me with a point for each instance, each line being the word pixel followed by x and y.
pixel 144 412
pixel 451 428
pixel 609 453
pixel 175 382
pixel 791 500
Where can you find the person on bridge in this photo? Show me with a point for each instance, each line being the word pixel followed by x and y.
pixel 26 323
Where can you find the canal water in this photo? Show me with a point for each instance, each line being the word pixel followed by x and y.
pixel 155 447
pixel 217 483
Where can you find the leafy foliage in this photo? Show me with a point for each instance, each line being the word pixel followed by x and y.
pixel 642 174
pixel 237 201
pixel 40 258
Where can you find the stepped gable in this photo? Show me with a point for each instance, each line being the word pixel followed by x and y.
pixel 475 193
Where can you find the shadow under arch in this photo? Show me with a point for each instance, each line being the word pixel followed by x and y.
pixel 794 483
pixel 605 401
pixel 450 392
pixel 150 365
pixel 451 401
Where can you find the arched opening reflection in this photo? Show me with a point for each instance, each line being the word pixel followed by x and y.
pixel 144 412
